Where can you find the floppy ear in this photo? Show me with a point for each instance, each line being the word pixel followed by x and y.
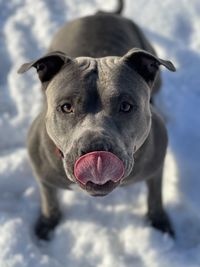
pixel 46 66
pixel 145 64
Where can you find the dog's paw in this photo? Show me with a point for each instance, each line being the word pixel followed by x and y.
pixel 45 226
pixel 161 222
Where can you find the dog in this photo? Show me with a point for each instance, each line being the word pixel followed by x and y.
pixel 98 127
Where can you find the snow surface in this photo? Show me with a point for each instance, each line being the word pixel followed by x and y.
pixel 109 231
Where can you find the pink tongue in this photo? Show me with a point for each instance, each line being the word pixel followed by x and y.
pixel 98 167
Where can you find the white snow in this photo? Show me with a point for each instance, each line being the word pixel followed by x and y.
pixel 109 231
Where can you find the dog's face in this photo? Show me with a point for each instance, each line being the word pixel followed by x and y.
pixel 98 113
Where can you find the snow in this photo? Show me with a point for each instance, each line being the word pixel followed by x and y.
pixel 109 231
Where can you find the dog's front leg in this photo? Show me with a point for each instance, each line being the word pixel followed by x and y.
pixel 50 212
pixel 156 213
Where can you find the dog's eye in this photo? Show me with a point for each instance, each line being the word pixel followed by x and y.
pixel 67 108
pixel 125 107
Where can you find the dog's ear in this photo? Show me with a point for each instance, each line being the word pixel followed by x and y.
pixel 145 64
pixel 47 66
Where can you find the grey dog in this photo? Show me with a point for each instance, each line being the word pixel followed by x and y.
pixel 98 127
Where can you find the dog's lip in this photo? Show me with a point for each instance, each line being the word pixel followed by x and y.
pixel 99 190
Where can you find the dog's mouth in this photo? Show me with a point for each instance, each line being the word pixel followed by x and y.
pixel 98 172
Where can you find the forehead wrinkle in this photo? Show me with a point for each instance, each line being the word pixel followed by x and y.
pixel 116 79
pixel 87 65
pixel 107 86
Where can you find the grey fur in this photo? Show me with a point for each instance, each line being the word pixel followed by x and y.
pixel 98 67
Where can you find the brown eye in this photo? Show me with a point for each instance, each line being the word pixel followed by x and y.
pixel 67 108
pixel 125 107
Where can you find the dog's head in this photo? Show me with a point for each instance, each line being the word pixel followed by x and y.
pixel 98 112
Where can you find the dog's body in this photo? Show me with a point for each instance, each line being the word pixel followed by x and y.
pixel 98 100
